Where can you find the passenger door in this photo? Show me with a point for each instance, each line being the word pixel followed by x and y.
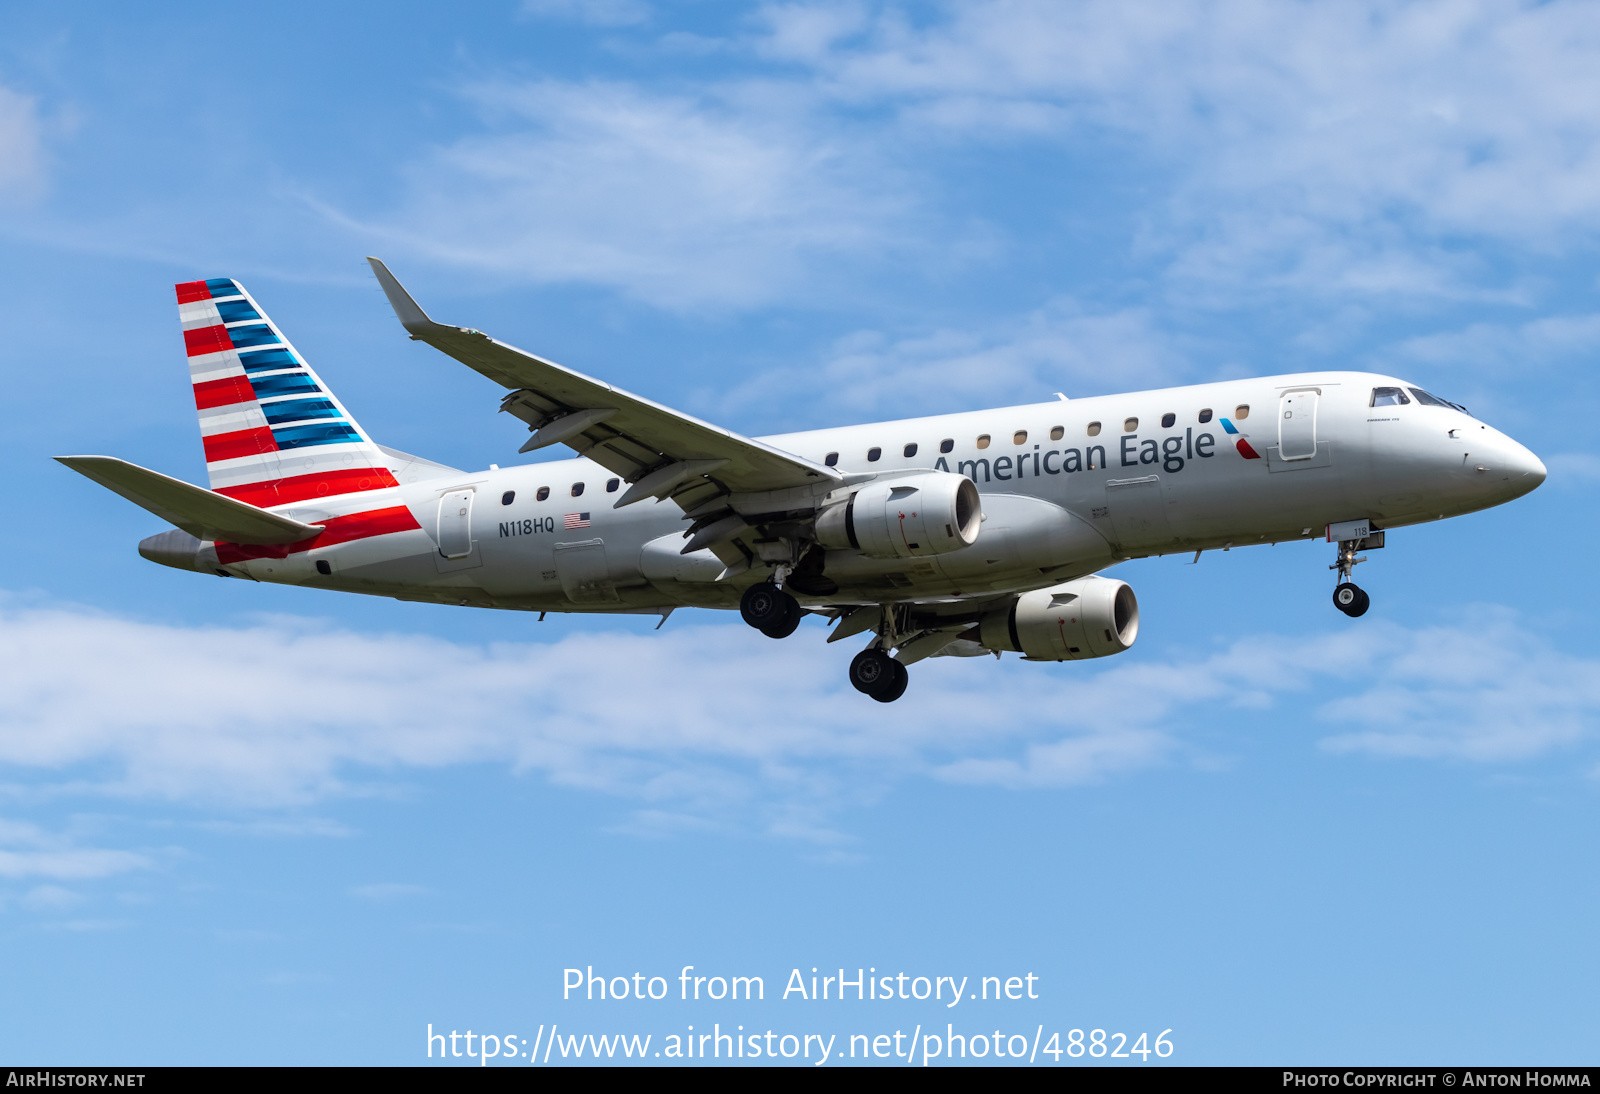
pixel 455 524
pixel 1297 425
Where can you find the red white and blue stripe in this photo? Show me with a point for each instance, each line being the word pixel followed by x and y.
pixel 274 434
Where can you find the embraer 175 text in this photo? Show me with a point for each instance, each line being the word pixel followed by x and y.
pixel 952 535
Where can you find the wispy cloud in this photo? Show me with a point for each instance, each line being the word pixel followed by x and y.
pixel 22 167
pixel 27 851
pixel 732 196
pixel 694 726
pixel 595 13
pixel 387 890
pixel 1326 147
pixel 1062 347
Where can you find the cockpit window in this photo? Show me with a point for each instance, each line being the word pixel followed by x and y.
pixel 1433 400
pixel 1388 396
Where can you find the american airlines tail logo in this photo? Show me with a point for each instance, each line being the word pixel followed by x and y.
pixel 1241 444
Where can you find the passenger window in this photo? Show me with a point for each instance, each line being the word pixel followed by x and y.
pixel 831 459
pixel 508 497
pixel 1388 396
pixel 1205 415
pixel 543 494
pixel 611 485
pixel 1242 411
pixel 1020 437
pixel 1130 424
pixel 577 488
pixel 1168 421
pixel 1094 429
pixel 874 454
pixel 911 450
pixel 983 440
pixel 947 445
pixel 1057 432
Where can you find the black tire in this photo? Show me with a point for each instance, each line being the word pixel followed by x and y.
pixel 786 626
pixel 764 605
pixel 1351 600
pixel 872 670
pixel 897 685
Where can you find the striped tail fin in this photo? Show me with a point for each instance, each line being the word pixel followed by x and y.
pixel 273 432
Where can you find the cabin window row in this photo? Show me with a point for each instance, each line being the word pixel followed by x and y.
pixel 984 440
pixel 543 493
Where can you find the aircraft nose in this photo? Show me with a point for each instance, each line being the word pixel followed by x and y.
pixel 1523 470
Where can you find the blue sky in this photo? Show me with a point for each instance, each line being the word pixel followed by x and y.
pixel 253 824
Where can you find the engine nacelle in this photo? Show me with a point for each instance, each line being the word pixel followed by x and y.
pixel 1089 617
pixel 921 513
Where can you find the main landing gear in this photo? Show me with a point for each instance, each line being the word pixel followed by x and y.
pixel 770 610
pixel 873 672
pixel 1348 597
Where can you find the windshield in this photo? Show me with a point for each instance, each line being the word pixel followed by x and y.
pixel 1433 400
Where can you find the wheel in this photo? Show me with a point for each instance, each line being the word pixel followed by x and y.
pixel 784 627
pixel 765 605
pixel 1350 600
pixel 872 670
pixel 896 686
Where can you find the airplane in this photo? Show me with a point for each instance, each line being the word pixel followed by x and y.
pixel 965 534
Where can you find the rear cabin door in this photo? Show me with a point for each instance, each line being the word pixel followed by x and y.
pixel 1297 425
pixel 455 524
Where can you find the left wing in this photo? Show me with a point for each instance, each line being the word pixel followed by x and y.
pixel 660 451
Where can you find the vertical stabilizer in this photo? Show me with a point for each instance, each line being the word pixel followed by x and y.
pixel 273 432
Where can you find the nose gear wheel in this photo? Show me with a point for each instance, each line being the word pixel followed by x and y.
pixel 1351 599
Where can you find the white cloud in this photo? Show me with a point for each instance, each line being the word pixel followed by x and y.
pixel 735 197
pixel 387 890
pixel 28 851
pixel 1060 347
pixel 21 146
pixel 1326 147
pixel 712 724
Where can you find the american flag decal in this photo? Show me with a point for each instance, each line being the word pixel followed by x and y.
pixel 575 520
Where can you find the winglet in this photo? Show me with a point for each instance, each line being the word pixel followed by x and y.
pixel 409 312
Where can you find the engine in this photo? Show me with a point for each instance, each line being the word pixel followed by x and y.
pixel 1089 617
pixel 921 513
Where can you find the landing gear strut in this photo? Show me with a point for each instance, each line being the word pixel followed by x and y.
pixel 873 672
pixel 770 610
pixel 1348 597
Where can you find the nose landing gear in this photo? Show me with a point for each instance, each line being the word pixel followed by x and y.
pixel 1348 597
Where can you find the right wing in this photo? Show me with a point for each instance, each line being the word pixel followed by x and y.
pixel 660 451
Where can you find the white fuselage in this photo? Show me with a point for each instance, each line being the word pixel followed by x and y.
pixel 1061 499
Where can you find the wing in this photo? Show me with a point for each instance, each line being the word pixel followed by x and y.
pixel 659 451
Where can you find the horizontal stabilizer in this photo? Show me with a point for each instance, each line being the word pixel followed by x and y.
pixel 196 510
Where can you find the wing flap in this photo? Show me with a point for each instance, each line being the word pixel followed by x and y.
pixel 198 511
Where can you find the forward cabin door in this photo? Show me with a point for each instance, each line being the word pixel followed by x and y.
pixel 1297 425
